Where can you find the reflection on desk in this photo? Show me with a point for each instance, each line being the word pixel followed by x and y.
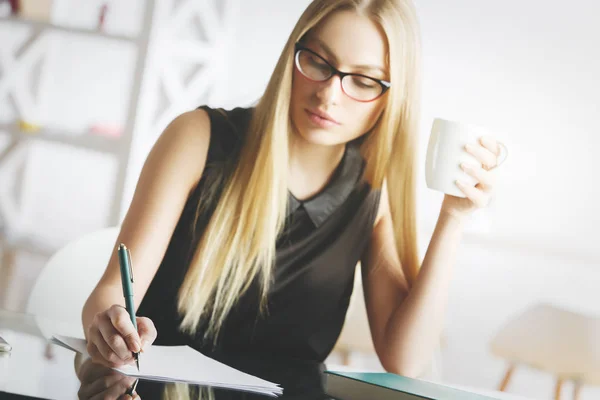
pixel 38 369
pixel 300 379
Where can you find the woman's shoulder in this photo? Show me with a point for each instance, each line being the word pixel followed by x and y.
pixel 191 127
pixel 233 121
pixel 228 128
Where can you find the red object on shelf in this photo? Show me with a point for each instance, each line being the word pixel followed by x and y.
pixel 106 130
pixel 102 16
pixel 14 6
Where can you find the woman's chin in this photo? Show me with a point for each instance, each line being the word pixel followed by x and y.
pixel 320 137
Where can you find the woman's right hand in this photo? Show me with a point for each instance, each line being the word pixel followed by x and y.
pixel 112 338
pixel 100 382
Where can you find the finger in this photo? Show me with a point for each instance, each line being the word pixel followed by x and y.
pixel 92 350
pixel 146 330
pixel 483 155
pixel 491 144
pixel 104 355
pixel 100 385
pixel 484 177
pixel 122 323
pixel 477 196
pixel 115 341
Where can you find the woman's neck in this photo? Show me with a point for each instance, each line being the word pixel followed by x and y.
pixel 311 166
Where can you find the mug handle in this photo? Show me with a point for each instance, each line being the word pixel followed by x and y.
pixel 503 154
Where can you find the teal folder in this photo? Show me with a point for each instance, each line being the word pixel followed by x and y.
pixel 386 386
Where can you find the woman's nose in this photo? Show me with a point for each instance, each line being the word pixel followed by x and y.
pixel 330 90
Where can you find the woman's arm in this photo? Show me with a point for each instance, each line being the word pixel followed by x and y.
pixel 171 171
pixel 406 325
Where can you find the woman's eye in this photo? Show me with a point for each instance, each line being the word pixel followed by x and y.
pixel 363 82
pixel 317 62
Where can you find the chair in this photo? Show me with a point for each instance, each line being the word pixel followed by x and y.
pixel 66 281
pixel 555 340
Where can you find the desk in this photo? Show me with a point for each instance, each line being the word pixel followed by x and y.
pixel 36 369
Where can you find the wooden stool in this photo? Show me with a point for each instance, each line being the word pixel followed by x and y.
pixel 7 270
pixel 561 342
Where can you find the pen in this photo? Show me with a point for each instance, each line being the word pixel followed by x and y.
pixel 126 281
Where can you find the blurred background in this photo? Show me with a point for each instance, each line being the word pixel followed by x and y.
pixel 86 87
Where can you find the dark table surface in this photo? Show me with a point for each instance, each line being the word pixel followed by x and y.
pixel 35 368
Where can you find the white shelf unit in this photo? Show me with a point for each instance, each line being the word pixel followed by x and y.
pixel 120 147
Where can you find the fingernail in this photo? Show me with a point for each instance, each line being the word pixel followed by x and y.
pixel 468 147
pixel 464 166
pixel 459 183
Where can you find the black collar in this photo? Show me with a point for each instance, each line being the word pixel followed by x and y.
pixel 323 204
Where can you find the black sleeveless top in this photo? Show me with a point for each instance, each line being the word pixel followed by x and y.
pixel 324 238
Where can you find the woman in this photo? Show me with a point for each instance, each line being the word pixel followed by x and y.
pixel 246 225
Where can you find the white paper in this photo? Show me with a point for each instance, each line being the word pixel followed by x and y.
pixel 182 364
pixel 71 343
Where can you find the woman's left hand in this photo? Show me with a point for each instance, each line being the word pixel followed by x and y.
pixel 487 152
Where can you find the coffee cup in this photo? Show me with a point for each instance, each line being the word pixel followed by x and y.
pixel 446 151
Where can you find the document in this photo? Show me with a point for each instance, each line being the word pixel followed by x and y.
pixel 182 364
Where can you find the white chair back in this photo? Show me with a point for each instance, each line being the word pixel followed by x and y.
pixel 67 279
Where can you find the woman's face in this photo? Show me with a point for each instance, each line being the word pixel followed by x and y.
pixel 352 44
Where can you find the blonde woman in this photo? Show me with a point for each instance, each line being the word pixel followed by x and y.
pixel 246 225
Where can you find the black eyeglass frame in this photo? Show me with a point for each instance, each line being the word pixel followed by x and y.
pixel 385 85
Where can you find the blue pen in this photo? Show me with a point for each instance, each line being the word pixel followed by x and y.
pixel 126 281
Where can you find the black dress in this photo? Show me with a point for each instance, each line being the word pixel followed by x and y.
pixel 324 238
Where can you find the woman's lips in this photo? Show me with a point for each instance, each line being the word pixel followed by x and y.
pixel 320 119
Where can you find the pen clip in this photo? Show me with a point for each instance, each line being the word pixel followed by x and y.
pixel 130 265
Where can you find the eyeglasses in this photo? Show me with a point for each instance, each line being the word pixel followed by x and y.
pixel 356 86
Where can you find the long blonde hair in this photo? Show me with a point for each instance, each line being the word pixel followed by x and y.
pixel 238 244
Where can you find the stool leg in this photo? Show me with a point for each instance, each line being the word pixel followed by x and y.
pixel 507 376
pixel 346 357
pixel 576 390
pixel 7 267
pixel 558 388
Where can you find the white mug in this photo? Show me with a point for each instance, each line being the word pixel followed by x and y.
pixel 446 151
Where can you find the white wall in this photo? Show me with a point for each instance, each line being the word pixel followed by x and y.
pixel 530 70
pixel 254 55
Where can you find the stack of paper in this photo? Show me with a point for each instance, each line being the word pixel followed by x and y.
pixel 183 364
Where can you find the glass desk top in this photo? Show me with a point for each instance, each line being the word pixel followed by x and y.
pixel 36 368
